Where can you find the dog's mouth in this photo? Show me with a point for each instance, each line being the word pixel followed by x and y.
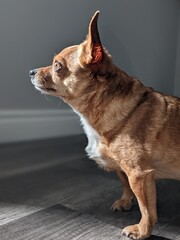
pixel 42 88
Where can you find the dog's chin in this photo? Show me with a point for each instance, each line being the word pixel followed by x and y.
pixel 45 90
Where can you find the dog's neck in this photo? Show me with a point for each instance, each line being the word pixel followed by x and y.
pixel 95 103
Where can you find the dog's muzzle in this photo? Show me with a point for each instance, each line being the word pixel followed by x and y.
pixel 32 73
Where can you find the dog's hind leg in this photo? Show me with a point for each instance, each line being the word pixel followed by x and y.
pixel 125 202
pixel 143 186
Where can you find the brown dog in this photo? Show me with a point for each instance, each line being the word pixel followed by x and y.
pixel 131 129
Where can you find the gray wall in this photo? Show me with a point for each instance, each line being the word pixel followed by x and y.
pixel 140 35
pixel 177 73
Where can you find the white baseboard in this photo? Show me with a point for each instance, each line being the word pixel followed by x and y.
pixel 24 125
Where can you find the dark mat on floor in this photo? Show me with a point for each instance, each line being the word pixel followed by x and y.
pixel 62 223
pixel 59 222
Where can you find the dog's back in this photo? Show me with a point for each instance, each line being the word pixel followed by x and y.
pixel 166 157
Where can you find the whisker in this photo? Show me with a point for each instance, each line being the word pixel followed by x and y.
pixel 48 99
pixel 59 104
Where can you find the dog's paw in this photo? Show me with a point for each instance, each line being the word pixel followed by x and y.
pixel 122 205
pixel 133 232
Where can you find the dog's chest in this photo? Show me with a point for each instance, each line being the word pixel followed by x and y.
pixel 94 140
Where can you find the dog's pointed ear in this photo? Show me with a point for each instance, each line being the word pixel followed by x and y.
pixel 92 49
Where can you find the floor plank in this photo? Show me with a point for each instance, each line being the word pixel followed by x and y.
pixel 59 222
pixel 40 176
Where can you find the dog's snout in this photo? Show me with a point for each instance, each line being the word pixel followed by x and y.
pixel 32 72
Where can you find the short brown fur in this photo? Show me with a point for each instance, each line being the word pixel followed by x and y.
pixel 132 130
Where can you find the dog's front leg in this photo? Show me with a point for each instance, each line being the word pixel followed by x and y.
pixel 143 186
pixel 125 202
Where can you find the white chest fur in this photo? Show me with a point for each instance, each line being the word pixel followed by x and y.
pixel 92 148
pixel 93 139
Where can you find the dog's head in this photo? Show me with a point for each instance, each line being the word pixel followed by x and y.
pixel 74 70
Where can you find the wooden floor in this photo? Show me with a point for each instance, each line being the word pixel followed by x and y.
pixel 51 190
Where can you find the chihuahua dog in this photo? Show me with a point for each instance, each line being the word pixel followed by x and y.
pixel 131 129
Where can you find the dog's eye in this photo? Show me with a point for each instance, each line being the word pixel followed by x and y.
pixel 57 66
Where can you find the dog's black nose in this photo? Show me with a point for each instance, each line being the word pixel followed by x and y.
pixel 32 73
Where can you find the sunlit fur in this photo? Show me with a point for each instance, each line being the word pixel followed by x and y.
pixel 132 130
